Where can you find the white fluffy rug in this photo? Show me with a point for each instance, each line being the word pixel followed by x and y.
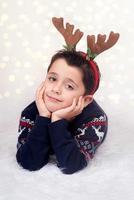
pixel 109 176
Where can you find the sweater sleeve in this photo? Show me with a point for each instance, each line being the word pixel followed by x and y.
pixel 90 135
pixel 33 142
pixel 73 153
pixel 69 158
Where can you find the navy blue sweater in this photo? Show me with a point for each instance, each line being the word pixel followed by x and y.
pixel 73 143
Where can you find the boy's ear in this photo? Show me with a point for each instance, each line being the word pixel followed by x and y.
pixel 88 99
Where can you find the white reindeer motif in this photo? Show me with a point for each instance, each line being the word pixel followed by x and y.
pixel 22 140
pixel 21 130
pixel 98 133
pixel 82 131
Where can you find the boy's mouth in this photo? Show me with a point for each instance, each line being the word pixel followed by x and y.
pixel 53 99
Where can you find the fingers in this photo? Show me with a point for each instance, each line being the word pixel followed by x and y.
pixel 80 105
pixel 71 111
pixel 72 107
pixel 40 91
pixel 76 107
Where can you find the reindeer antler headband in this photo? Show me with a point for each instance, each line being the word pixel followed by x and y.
pixel 93 48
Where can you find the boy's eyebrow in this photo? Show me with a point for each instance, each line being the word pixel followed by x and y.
pixel 66 77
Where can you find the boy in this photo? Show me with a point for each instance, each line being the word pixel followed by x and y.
pixel 64 119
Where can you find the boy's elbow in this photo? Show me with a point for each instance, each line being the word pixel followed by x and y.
pixel 73 169
pixel 28 164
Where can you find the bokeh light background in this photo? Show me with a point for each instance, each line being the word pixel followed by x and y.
pixel 28 40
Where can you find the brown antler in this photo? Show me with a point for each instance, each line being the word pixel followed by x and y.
pixel 70 38
pixel 101 45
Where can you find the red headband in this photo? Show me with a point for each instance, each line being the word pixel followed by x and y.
pixel 95 71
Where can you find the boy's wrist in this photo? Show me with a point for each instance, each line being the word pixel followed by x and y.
pixel 45 115
pixel 54 118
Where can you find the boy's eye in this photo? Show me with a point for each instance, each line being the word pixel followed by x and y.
pixel 70 87
pixel 51 78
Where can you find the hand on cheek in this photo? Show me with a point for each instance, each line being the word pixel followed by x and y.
pixel 40 103
pixel 69 112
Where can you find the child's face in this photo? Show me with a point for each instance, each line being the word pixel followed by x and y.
pixel 62 82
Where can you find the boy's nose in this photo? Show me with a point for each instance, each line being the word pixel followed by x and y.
pixel 57 89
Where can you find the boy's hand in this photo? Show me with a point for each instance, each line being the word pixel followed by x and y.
pixel 43 111
pixel 70 112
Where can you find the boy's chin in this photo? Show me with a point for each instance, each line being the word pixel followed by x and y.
pixel 52 109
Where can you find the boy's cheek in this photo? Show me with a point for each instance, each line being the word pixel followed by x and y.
pixel 77 99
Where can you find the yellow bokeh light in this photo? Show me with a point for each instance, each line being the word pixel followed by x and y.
pixel 28 50
pixel 5 36
pixel 4 5
pixel 35 3
pixel 12 27
pixel 20 3
pixel 8 44
pixel 27 77
pixel 12 78
pixel 4 17
pixel 2 65
pixel 18 91
pixel 18 64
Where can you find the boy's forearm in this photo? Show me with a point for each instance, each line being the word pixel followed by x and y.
pixel 34 153
pixel 69 157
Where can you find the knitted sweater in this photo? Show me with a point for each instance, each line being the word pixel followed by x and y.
pixel 73 143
